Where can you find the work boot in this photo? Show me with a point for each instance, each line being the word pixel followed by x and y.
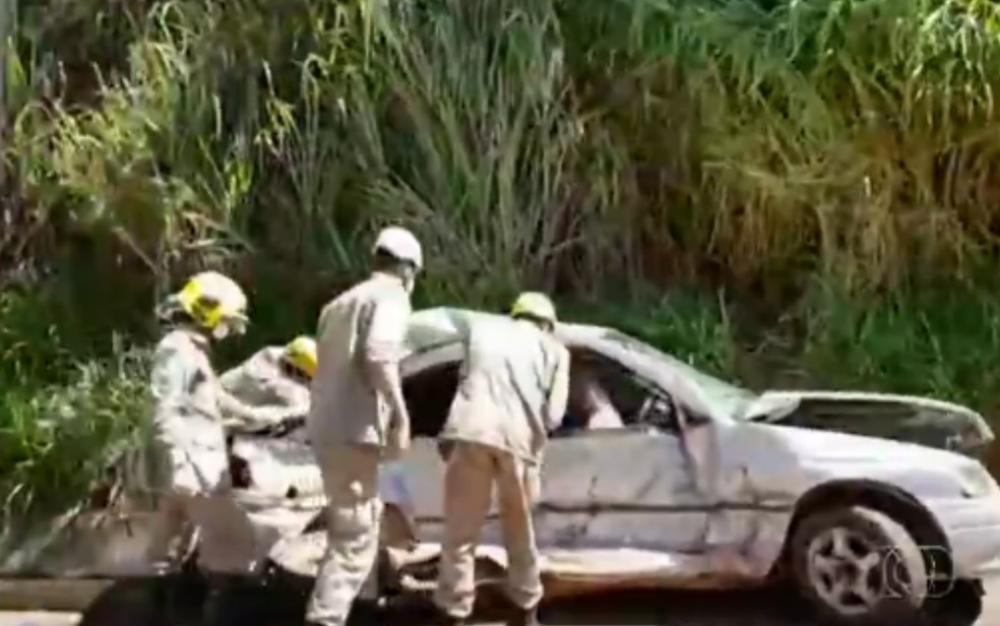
pixel 524 617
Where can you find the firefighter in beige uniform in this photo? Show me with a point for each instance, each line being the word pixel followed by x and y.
pixel 358 417
pixel 189 430
pixel 512 393
pixel 276 376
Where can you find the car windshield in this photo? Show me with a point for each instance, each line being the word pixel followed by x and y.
pixel 725 398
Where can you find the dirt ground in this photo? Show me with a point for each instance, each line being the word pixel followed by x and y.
pixel 772 607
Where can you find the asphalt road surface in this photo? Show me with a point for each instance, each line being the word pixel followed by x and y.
pixel 771 607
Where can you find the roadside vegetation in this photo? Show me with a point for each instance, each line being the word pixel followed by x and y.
pixel 784 193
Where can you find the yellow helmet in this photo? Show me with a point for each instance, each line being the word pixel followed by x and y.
pixel 301 353
pixel 536 305
pixel 215 302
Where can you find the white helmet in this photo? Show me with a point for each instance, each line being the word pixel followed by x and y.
pixel 401 244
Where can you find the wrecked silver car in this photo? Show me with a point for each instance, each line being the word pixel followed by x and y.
pixel 661 476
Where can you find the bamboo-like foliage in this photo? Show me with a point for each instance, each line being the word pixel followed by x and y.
pixel 853 138
pixel 546 143
pixel 487 153
pixel 7 21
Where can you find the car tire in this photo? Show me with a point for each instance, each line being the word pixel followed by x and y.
pixel 859 567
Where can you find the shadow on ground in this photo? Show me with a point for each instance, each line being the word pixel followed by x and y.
pixel 177 603
pixel 765 607
pixel 159 603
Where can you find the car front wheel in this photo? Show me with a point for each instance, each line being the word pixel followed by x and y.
pixel 859 566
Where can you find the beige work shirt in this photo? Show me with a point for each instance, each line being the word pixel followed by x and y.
pixel 513 388
pixel 260 381
pixel 366 324
pixel 188 421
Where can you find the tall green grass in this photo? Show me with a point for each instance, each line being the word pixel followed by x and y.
pixel 854 140
pixel 942 343
pixel 547 143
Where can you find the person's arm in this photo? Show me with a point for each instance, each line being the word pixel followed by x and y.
pixel 237 415
pixel 170 380
pixel 558 393
pixel 382 348
pixel 604 414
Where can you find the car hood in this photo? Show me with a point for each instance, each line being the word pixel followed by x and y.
pixel 817 445
pixel 783 462
pixel 910 419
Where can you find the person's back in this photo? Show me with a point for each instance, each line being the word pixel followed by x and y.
pixel 259 381
pixel 504 398
pixel 345 406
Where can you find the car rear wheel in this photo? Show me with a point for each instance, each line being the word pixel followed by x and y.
pixel 859 566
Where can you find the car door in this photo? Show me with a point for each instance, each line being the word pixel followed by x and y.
pixel 632 486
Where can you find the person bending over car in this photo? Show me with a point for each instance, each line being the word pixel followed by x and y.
pixel 275 376
pixel 512 392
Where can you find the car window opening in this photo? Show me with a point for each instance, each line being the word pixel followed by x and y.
pixel 428 396
pixel 606 396
pixel 603 396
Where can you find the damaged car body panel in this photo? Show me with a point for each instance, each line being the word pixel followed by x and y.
pixel 701 485
pixel 903 418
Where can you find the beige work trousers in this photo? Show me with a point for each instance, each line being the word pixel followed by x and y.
pixel 472 469
pixel 350 479
pixel 226 538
